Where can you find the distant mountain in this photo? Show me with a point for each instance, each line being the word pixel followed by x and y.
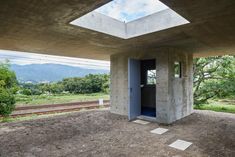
pixel 50 72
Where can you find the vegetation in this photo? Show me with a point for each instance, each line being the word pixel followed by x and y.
pixel 214 78
pixel 26 100
pixel 8 87
pixel 78 85
pixel 89 84
pixel 217 108
pixel 88 88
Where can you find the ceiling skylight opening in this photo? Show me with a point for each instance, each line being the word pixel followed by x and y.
pixel 130 18
pixel 129 10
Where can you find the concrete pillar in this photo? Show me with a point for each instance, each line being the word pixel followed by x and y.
pixel 174 96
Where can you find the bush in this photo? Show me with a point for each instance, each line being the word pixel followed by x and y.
pixel 8 87
pixel 7 102
pixel 26 92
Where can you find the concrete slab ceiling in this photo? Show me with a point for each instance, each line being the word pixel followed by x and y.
pixel 163 18
pixel 44 27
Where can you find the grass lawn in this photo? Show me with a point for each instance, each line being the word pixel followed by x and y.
pixel 223 105
pixel 23 100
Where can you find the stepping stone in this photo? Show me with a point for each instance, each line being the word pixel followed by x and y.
pixel 141 122
pixel 180 144
pixel 159 131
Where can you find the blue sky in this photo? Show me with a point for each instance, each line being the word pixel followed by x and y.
pixel 23 58
pixel 129 10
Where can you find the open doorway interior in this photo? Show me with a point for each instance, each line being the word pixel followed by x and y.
pixel 148 87
pixel 142 88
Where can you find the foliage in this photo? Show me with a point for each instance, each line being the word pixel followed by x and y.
pixel 78 85
pixel 7 102
pixel 214 77
pixel 26 92
pixel 7 77
pixel 89 84
pixel 8 87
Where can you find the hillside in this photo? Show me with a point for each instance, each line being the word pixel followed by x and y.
pixel 50 72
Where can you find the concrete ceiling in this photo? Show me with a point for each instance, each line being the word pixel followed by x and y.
pixel 42 26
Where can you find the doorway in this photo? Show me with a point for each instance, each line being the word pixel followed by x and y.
pixel 148 87
pixel 142 88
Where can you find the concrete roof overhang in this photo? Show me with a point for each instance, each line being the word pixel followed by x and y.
pixel 44 27
pixel 158 21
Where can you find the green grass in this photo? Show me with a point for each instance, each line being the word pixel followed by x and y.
pixel 23 100
pixel 217 106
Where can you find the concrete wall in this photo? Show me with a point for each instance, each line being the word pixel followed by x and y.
pixel 174 97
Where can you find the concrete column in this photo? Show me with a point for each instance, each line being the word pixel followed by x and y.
pixel 119 84
pixel 162 87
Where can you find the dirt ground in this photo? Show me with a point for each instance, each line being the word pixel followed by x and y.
pixel 102 134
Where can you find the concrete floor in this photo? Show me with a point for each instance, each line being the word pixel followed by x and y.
pixel 100 133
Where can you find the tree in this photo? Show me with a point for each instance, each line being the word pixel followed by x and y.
pixel 7 77
pixel 8 87
pixel 214 77
pixel 89 84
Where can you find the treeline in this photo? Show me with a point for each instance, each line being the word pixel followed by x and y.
pixel 92 83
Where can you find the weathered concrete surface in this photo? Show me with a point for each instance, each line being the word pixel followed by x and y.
pixel 119 84
pixel 43 27
pixel 180 90
pixel 174 96
pixel 101 23
pixel 155 22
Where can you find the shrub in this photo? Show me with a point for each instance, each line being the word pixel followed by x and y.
pixel 7 101
pixel 26 92
pixel 8 87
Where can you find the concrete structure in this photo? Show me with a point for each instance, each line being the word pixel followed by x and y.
pixel 166 18
pixel 174 96
pixel 44 27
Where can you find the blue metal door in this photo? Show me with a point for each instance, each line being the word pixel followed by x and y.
pixel 134 88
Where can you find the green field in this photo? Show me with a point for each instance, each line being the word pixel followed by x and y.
pixel 219 105
pixel 23 100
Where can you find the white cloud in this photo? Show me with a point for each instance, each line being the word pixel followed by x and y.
pixel 128 10
pixel 23 58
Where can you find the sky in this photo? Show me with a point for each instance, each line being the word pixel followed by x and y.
pixel 24 58
pixel 129 10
